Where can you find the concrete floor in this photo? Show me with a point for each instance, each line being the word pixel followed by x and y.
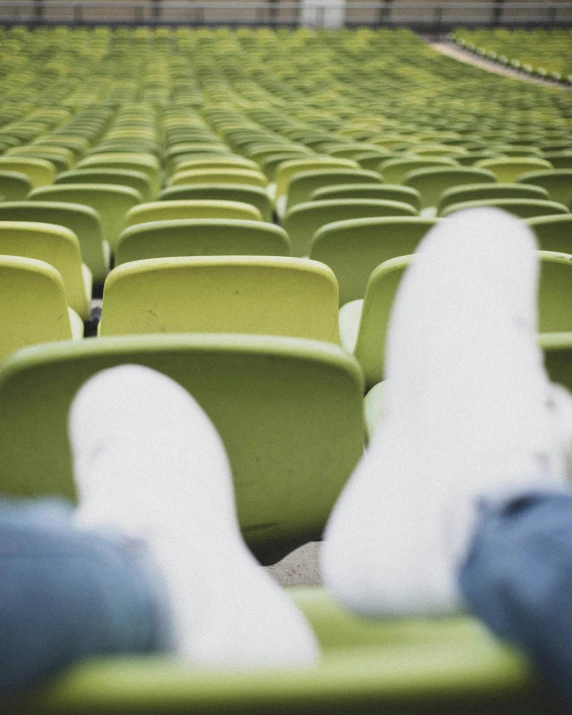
pixel 299 568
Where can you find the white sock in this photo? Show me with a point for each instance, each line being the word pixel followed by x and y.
pixel 469 412
pixel 149 463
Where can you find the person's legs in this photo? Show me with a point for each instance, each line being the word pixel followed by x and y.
pixel 66 594
pixel 469 413
pixel 149 464
pixel 517 577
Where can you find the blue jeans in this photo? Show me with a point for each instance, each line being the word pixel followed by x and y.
pixel 66 594
pixel 517 577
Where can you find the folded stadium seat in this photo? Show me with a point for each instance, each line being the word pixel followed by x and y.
pixel 558 183
pixel 146 147
pixel 438 150
pixel 287 169
pixel 57 246
pixel 349 150
pixel 244 193
pixel 126 160
pixel 392 142
pixel 553 233
pixel 559 159
pixel 555 292
pixel 302 221
pixel 303 183
pixel 14 185
pixel 471 157
pixel 39 171
pixel 122 177
pixel 216 175
pixel 230 161
pixel 218 294
pixel 81 220
pixel 363 324
pixel 76 144
pixel 521 151
pixel 33 306
pixel 192 147
pixel 62 159
pixel 271 163
pixel 432 182
pixel 111 201
pixel 523 208
pixel 259 152
pixel 393 171
pixel 508 170
pixel 354 248
pixel 186 209
pixel 392 192
pixel 289 412
pixel 557 348
pixel 479 192
pixel 201 237
pixel 371 158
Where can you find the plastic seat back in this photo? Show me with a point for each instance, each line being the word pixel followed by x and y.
pixel 394 170
pixel 523 208
pixel 304 183
pixel 215 294
pixel 82 220
pixel 354 248
pixel 137 180
pixel 33 306
pixel 201 237
pixel 244 193
pixel 220 175
pixel 111 201
pixel 62 159
pixel 185 209
pixel 432 182
pixel 286 170
pixel 289 413
pixel 57 246
pixel 303 220
pixel 480 192
pixel 554 306
pixel 39 171
pixel 215 162
pixel 558 183
pixel 553 233
pixel 555 292
pixel 510 169
pixel 126 160
pixel 376 311
pixel 391 192
pixel 14 185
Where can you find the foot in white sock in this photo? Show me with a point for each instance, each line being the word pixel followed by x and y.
pixel 149 463
pixel 469 412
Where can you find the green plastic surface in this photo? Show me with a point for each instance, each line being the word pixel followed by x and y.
pixel 355 247
pixel 289 412
pixel 111 201
pixel 303 221
pixel 201 237
pixel 217 294
pixel 80 219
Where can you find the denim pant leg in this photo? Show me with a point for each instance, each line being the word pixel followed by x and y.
pixel 66 594
pixel 517 577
